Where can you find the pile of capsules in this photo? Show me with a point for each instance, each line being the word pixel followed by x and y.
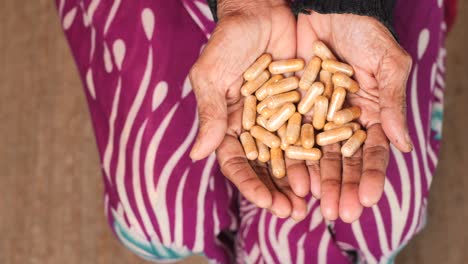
pixel 276 118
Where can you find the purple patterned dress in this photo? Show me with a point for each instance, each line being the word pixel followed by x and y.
pixel 134 58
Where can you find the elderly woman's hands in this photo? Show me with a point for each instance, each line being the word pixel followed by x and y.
pixel 246 30
pixel 381 66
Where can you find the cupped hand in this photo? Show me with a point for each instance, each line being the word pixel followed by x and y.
pixel 246 30
pixel 381 67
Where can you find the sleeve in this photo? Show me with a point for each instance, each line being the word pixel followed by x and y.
pixel 381 10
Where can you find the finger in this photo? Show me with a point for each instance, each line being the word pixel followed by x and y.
pixel 235 167
pixel 314 173
pixel 212 113
pixel 298 204
pixel 375 162
pixel 298 177
pixel 330 171
pixel 281 205
pixel 392 76
pixel 350 206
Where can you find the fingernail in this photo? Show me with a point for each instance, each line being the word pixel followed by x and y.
pixel 194 151
pixel 409 142
pixel 297 216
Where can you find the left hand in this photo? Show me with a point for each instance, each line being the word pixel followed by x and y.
pixel 381 66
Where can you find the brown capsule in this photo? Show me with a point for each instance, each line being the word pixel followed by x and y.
pixel 320 49
pixel 342 80
pixel 266 137
pixel 353 125
pixel 267 112
pixel 353 143
pixel 298 142
pixel 298 153
pixel 326 79
pixel 334 136
pixel 262 106
pixel 278 100
pixel 249 114
pixel 278 167
pixel 307 136
pixel 262 92
pixel 282 134
pixel 284 66
pixel 251 86
pixel 309 99
pixel 310 73
pixel 262 121
pixel 249 146
pixel 347 115
pixel 258 67
pixel 293 129
pixel 320 112
pixel 336 102
pixel 263 151
pixel 284 85
pixel 334 66
pixel 281 117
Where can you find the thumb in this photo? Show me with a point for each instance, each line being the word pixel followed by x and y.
pixel 212 113
pixel 392 77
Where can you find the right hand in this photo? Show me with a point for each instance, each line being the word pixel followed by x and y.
pixel 246 30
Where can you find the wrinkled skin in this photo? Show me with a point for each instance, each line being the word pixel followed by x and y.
pixel 243 33
pixel 345 185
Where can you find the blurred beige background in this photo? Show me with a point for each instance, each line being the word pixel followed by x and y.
pixel 51 202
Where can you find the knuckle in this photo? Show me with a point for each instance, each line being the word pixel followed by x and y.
pixel 353 162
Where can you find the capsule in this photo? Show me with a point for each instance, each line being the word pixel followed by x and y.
pixel 284 85
pixel 342 80
pixel 347 115
pixel 249 114
pixel 258 67
pixel 336 102
pixel 334 66
pixel 278 100
pixel 266 137
pixel 326 79
pixel 298 142
pixel 309 99
pixel 263 151
pixel 320 49
pixel 262 121
pixel 251 86
pixel 278 167
pixel 353 143
pixel 293 130
pixel 299 153
pixel 262 92
pixel 284 66
pixel 281 117
pixel 249 146
pixel 262 106
pixel 307 136
pixel 267 112
pixel 353 125
pixel 320 112
pixel 282 134
pixel 310 73
pixel 334 136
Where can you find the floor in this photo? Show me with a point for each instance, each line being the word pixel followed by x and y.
pixel 50 187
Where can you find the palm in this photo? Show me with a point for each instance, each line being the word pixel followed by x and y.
pixel 345 184
pixel 234 45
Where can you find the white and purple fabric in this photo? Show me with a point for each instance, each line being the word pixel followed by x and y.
pixel 134 58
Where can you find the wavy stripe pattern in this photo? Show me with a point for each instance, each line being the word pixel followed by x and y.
pixel 163 206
